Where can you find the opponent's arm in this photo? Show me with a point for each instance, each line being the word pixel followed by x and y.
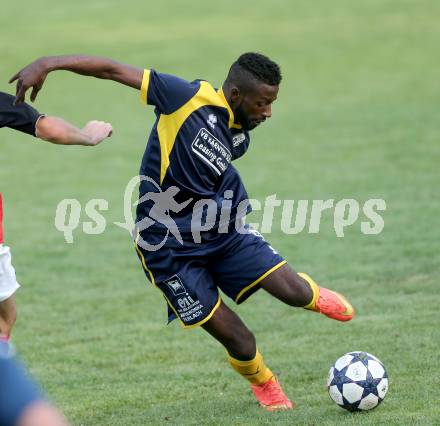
pixel 34 74
pixel 60 132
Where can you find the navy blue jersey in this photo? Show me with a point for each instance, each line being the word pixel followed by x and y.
pixel 20 117
pixel 191 146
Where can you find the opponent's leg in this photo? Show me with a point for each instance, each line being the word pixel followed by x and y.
pixel 227 327
pixel 301 291
pixel 8 315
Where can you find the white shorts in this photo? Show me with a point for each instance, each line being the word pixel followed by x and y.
pixel 8 282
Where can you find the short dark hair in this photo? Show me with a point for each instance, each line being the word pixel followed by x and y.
pixel 251 67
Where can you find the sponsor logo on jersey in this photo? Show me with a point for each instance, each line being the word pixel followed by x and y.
pixel 211 151
pixel 212 121
pixel 238 139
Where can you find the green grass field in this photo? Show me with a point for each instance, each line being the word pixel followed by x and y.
pixel 357 117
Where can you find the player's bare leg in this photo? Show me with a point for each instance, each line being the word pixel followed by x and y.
pixel 227 327
pixel 8 315
pixel 298 289
pixel 8 285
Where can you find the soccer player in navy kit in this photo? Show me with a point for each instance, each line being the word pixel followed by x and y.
pixel 53 129
pixel 196 243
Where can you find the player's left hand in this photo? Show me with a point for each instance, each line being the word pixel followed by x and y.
pixel 32 75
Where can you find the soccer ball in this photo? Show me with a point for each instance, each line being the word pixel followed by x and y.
pixel 357 381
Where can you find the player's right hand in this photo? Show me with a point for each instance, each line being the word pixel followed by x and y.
pixel 32 75
pixel 96 132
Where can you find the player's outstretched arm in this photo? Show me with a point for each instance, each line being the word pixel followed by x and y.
pixel 34 74
pixel 60 132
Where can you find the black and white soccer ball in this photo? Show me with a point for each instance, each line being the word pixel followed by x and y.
pixel 357 381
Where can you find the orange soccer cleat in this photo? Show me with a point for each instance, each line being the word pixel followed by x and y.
pixel 328 302
pixel 271 397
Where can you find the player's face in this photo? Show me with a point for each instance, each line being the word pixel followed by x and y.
pixel 255 106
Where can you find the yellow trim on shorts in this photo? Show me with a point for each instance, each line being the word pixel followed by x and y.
pixel 144 263
pixel 274 268
pixel 187 327
pixel 144 86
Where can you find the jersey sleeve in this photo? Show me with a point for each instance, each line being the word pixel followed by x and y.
pixel 166 92
pixel 19 117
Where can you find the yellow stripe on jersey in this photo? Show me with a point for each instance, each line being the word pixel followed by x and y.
pixel 144 86
pixel 169 124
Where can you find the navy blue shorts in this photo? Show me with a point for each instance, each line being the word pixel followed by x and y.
pixel 190 275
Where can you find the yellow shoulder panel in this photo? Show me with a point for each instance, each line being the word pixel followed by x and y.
pixel 169 125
